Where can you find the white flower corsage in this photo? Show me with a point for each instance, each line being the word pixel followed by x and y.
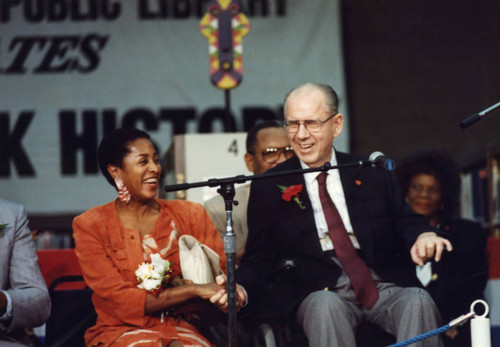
pixel 155 275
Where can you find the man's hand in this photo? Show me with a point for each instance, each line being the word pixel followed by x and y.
pixel 427 246
pixel 220 299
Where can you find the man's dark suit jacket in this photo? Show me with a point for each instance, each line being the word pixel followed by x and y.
pixel 382 222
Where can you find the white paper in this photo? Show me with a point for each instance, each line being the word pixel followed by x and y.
pixel 424 273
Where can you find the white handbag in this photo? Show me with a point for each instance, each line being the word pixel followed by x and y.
pixel 199 263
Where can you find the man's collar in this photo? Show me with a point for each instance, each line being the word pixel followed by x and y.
pixel 311 176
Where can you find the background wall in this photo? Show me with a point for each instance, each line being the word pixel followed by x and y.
pixel 71 71
pixel 415 69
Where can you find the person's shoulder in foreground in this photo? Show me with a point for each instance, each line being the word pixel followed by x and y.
pixel 21 281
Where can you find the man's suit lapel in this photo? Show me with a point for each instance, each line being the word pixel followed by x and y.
pixel 352 183
pixel 304 219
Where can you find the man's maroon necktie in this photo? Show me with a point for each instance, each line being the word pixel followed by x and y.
pixel 353 265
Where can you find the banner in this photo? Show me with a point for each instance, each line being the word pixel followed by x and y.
pixel 71 71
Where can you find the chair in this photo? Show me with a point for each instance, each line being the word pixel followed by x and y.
pixel 72 313
pixel 72 309
pixel 55 263
pixel 272 329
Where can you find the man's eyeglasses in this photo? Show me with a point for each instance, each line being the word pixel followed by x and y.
pixel 311 125
pixel 272 155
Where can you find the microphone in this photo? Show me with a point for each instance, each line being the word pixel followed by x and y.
pixel 378 159
pixel 477 117
pixel 471 120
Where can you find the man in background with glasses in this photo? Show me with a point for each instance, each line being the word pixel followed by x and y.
pixel 346 235
pixel 266 145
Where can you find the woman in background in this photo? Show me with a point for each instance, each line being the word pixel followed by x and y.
pixel 431 183
pixel 113 240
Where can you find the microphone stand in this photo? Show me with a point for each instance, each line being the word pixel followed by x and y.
pixel 226 190
pixel 477 117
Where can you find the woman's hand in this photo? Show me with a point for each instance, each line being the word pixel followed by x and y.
pixel 427 246
pixel 209 290
pixel 220 299
pixel 182 291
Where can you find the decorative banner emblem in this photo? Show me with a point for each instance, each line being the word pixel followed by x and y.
pixel 224 26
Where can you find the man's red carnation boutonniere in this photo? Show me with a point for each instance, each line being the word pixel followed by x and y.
pixel 292 192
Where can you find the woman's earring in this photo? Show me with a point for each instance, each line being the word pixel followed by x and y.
pixel 123 192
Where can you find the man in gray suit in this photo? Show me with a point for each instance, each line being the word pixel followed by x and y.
pixel 24 298
pixel 266 145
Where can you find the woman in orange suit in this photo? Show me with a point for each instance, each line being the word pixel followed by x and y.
pixel 113 240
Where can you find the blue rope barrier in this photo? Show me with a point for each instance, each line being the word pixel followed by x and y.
pixel 422 336
pixel 457 321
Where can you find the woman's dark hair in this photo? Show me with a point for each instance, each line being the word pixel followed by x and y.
pixel 443 167
pixel 114 147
